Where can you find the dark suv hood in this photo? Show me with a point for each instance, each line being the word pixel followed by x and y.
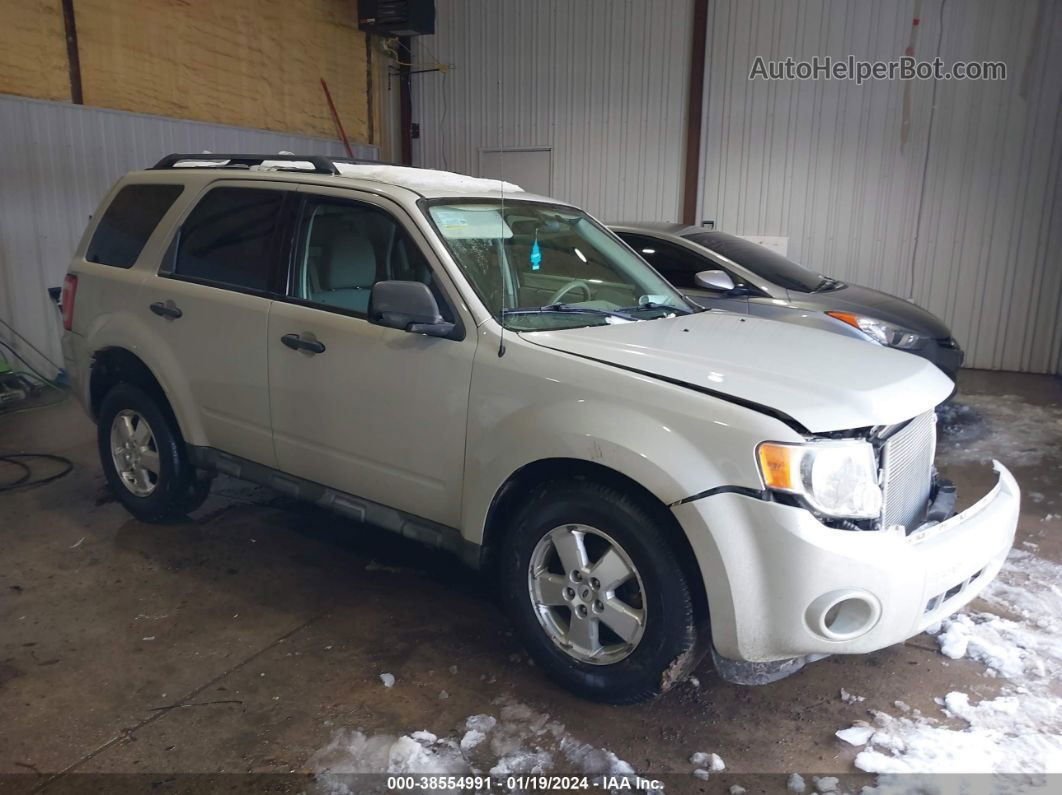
pixel 875 304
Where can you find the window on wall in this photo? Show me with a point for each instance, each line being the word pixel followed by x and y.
pixel 229 238
pixel 346 247
pixel 128 222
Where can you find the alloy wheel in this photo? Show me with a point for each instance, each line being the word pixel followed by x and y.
pixel 135 452
pixel 587 594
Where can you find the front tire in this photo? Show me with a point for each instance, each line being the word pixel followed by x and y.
pixel 597 595
pixel 144 457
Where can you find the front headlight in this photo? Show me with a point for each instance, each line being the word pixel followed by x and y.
pixel 837 478
pixel 881 332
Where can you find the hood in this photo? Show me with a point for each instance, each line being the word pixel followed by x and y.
pixel 824 381
pixel 876 304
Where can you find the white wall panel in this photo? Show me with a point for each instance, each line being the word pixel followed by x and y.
pixel 966 218
pixel 56 163
pixel 601 82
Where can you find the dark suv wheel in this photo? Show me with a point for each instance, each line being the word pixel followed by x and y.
pixel 144 457
pixel 597 594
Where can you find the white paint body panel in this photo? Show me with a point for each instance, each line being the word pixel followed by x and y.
pixel 764 564
pixel 824 381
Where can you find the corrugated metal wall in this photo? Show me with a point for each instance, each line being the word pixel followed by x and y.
pixel 966 221
pixel 966 218
pixel 601 82
pixel 56 162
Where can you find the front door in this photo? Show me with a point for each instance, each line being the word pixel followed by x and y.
pixel 371 411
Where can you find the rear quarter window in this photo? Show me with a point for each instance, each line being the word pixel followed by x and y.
pixel 128 222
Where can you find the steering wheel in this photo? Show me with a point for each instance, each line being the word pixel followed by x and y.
pixel 567 288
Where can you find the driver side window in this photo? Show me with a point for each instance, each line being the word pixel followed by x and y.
pixel 675 264
pixel 345 247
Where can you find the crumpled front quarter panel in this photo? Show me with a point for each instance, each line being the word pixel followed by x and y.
pixel 534 403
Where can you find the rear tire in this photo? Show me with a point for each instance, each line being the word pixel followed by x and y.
pixel 624 577
pixel 144 457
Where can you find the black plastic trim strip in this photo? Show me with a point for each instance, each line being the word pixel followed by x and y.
pixel 424 531
pixel 744 491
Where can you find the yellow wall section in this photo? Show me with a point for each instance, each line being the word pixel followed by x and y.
pixel 250 63
pixel 33 49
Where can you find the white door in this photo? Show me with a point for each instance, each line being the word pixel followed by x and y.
pixel 531 169
pixel 208 309
pixel 375 412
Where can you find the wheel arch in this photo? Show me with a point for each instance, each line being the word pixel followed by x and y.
pixel 113 365
pixel 509 496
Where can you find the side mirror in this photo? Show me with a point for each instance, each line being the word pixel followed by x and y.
pixel 717 281
pixel 408 306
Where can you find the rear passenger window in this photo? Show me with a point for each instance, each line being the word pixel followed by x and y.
pixel 128 222
pixel 229 238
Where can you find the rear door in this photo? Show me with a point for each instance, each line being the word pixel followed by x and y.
pixel 374 412
pixel 679 265
pixel 209 308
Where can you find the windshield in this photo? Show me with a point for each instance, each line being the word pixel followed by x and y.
pixel 539 266
pixel 765 263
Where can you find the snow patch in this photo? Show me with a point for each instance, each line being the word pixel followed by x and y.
pixel 424 178
pixel 1018 732
pixel 388 680
pixel 519 741
pixel 856 735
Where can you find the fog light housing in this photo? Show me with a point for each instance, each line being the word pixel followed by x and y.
pixel 843 615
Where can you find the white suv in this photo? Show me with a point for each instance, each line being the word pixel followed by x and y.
pixel 496 374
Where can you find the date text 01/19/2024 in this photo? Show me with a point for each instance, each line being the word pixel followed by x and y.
pixel 537 783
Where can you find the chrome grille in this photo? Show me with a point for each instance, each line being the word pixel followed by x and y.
pixel 907 471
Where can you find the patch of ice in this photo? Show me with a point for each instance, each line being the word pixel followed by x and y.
pixel 856 735
pixel 701 773
pixel 849 698
pixel 388 680
pixel 737 789
pixel 519 741
pixel 795 783
pixel 826 784
pixel 715 763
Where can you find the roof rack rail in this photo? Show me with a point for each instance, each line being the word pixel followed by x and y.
pixel 322 164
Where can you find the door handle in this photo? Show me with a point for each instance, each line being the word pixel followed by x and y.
pixel 167 309
pixel 297 343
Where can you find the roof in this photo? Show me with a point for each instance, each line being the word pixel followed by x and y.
pixel 426 182
pixel 658 227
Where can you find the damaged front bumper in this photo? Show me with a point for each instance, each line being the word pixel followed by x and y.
pixel 782 585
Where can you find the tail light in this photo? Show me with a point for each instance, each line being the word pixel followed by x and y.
pixel 67 301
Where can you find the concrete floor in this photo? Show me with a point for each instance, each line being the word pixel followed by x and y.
pixel 240 640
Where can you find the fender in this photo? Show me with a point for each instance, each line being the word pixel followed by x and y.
pixel 125 330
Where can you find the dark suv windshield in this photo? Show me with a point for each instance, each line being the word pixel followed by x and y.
pixel 760 260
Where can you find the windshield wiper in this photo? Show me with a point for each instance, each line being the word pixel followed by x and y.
pixel 826 285
pixel 680 310
pixel 564 309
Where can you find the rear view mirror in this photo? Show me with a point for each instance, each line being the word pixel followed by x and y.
pixel 717 281
pixel 408 306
